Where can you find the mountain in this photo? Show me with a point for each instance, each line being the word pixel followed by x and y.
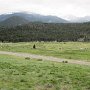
pixel 78 19
pixel 41 18
pixel 32 17
pixel 14 21
pixel 84 19
pixel 4 17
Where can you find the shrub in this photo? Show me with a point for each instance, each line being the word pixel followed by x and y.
pixel 39 59
pixel 70 58
pixel 27 58
pixel 65 61
pixel 34 46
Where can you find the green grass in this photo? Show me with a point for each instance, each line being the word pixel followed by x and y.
pixel 68 50
pixel 17 73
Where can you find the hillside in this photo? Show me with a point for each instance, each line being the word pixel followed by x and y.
pixel 41 18
pixel 46 32
pixel 14 21
pixel 34 18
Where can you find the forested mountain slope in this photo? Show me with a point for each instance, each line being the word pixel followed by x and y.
pixel 46 32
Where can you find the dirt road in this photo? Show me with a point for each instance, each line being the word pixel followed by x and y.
pixel 49 58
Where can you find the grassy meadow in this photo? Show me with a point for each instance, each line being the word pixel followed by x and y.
pixel 68 50
pixel 17 73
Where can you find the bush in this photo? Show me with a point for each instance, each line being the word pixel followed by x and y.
pixel 27 58
pixel 65 61
pixel 70 58
pixel 39 59
pixel 34 46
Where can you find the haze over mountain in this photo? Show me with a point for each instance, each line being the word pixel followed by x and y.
pixel 60 8
pixel 23 18
pixel 20 18
pixel 75 19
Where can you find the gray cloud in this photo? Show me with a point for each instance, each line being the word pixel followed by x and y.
pixel 55 7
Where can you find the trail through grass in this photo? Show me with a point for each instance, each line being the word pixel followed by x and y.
pixel 68 50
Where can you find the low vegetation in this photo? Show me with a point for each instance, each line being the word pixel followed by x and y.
pixel 68 50
pixel 17 73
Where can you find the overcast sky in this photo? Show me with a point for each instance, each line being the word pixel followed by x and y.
pixel 60 8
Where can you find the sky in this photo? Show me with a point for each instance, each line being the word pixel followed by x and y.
pixel 61 8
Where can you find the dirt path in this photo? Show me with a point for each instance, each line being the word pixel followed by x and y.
pixel 50 58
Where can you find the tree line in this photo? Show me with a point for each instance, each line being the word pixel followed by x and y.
pixel 46 32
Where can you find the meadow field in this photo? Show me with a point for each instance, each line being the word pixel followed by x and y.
pixel 67 50
pixel 18 73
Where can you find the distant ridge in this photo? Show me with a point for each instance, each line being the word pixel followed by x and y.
pixel 23 18
pixel 14 21
pixel 78 19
